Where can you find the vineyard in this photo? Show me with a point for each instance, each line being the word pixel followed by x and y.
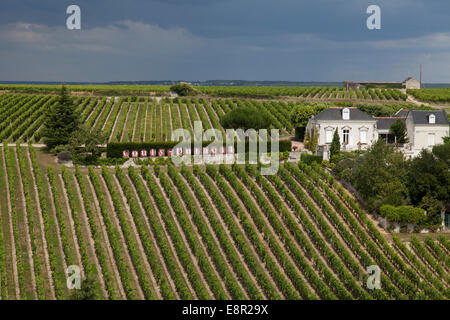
pixel 321 93
pixel 214 232
pixel 431 95
pixel 136 119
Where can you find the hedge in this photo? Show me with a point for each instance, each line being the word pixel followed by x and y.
pixel 405 214
pixel 310 158
pixel 115 149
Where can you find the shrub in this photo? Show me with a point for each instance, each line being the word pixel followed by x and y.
pixel 403 214
pixel 183 89
pixel 310 158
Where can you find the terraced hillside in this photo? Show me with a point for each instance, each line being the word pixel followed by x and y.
pixel 214 232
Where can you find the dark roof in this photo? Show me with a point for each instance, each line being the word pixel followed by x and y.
pixel 401 113
pixel 336 114
pixel 384 123
pixel 421 116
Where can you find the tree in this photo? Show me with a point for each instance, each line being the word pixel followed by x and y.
pixel 430 176
pixel 183 89
pixel 442 151
pixel 434 208
pixel 61 121
pixel 86 292
pixel 307 140
pixel 246 117
pixel 335 147
pixel 398 130
pixel 88 141
pixel 379 176
pixel 312 143
pixel 300 116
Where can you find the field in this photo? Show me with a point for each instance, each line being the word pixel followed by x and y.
pixel 214 232
pixel 431 95
pixel 137 119
pixel 321 93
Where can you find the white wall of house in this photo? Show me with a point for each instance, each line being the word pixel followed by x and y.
pixel 411 84
pixel 426 136
pixel 353 132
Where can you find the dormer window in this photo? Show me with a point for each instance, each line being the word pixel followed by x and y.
pixel 346 114
pixel 431 118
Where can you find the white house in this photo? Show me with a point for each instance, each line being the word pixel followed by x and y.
pixel 358 130
pixel 411 83
pixel 426 129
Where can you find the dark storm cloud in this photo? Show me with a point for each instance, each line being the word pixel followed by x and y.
pixel 223 39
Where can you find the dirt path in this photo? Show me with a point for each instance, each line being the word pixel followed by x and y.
pixel 145 121
pixel 214 236
pixel 207 115
pixel 169 135
pixel 124 243
pixel 161 104
pixel 174 252
pixel 112 260
pixel 101 113
pixel 90 239
pixel 26 226
pixel 131 222
pixel 11 230
pixel 179 115
pixel 191 123
pixel 109 114
pixel 42 228
pixel 125 123
pixel 150 131
pixel 411 99
pixel 93 110
pixel 71 224
pixel 58 231
pixel 115 122
pixel 153 240
pixel 135 123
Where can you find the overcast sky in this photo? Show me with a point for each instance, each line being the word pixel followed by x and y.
pixel 316 40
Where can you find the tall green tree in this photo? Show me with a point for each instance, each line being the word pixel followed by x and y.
pixel 380 176
pixel 61 121
pixel 398 130
pixel 335 147
pixel 300 115
pixel 428 176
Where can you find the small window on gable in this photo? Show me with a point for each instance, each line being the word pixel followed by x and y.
pixel 431 118
pixel 346 114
